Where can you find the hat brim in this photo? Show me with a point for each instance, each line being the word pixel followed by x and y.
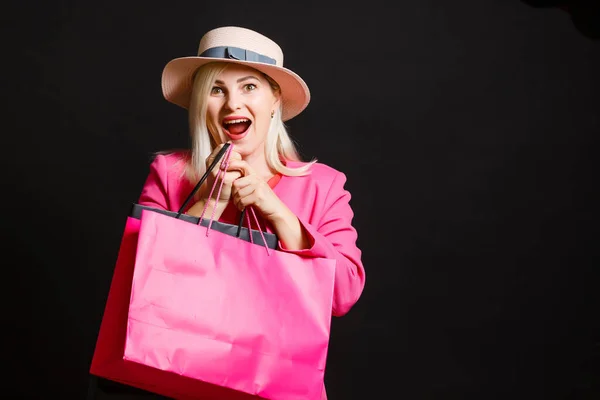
pixel 177 82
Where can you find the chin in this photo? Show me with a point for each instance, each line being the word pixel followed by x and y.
pixel 246 150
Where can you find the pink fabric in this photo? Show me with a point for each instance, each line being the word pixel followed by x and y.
pixel 319 199
pixel 266 335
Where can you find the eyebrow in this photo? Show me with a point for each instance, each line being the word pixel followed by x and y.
pixel 239 80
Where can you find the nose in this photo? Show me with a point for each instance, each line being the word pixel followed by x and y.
pixel 233 100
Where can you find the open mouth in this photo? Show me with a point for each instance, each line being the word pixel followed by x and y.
pixel 236 128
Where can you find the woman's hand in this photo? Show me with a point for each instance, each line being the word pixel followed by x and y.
pixel 230 175
pixel 251 190
pixel 204 204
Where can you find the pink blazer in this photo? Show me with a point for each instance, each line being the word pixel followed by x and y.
pixel 319 200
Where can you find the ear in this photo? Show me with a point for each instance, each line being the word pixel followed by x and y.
pixel 277 100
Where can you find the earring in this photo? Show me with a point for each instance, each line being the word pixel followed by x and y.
pixel 272 113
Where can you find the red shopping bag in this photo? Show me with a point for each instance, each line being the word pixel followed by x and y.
pixel 228 312
pixel 107 361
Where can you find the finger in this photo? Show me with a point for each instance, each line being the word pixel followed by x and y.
pixel 209 160
pixel 235 155
pixel 245 201
pixel 213 155
pixel 231 177
pixel 244 191
pixel 243 181
pixel 226 160
pixel 241 166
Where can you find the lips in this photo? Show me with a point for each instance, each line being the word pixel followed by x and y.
pixel 236 127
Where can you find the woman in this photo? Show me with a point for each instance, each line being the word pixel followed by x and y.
pixel 237 91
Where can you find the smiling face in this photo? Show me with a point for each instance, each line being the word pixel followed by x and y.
pixel 239 109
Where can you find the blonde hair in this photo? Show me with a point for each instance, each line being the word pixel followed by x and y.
pixel 279 146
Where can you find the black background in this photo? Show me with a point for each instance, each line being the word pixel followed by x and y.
pixel 468 131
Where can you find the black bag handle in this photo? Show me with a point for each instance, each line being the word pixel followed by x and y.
pixel 201 181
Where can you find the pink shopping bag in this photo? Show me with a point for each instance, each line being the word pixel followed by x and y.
pixel 108 361
pixel 211 307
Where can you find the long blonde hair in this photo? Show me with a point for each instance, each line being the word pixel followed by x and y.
pixel 278 144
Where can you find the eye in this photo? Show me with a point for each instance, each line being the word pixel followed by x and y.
pixel 216 90
pixel 249 87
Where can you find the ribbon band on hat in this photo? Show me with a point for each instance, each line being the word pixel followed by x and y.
pixel 236 53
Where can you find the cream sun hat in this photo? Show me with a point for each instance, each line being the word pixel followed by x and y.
pixel 236 45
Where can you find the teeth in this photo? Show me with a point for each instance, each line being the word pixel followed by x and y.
pixel 235 121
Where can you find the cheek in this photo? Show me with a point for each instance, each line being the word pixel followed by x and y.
pixel 212 111
pixel 212 119
pixel 212 114
pixel 262 111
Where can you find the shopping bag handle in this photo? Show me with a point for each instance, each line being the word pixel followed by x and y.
pixel 201 181
pixel 250 226
pixel 221 178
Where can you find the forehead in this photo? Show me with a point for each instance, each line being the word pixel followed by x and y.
pixel 235 71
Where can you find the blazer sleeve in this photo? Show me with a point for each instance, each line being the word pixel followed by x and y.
pixel 335 237
pixel 154 191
